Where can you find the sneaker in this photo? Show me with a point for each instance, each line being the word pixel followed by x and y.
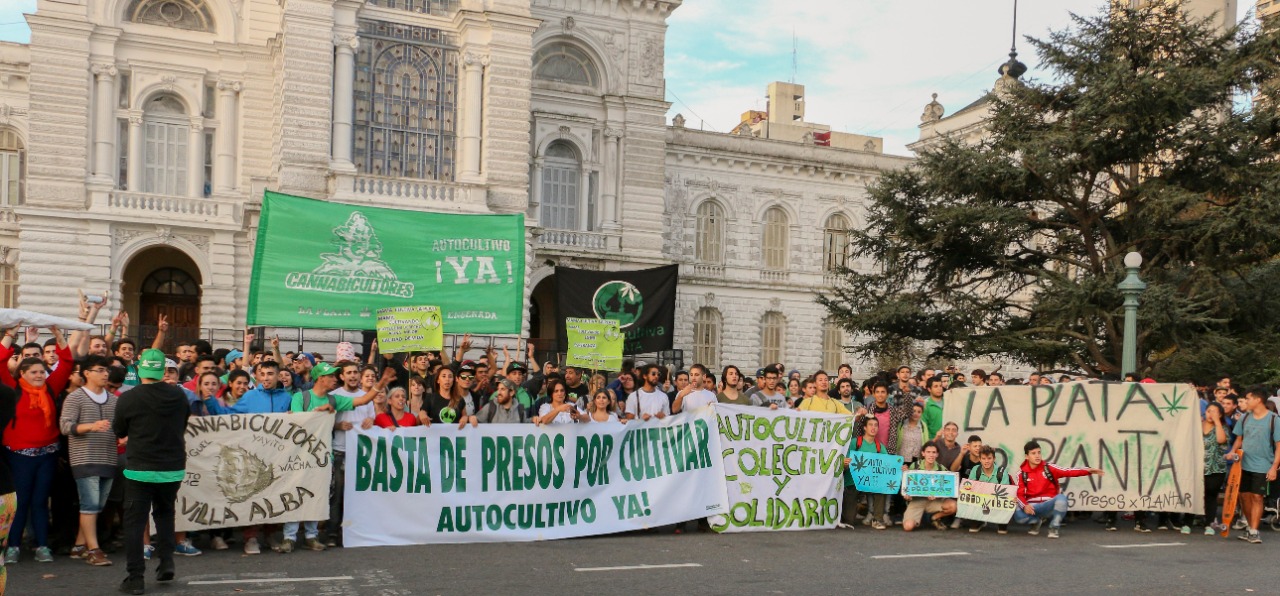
pixel 78 551
pixel 939 524
pixel 887 521
pixel 219 543
pixel 866 520
pixel 164 573
pixel 1141 529
pixel 332 541
pixel 975 529
pixel 955 524
pixel 1217 527
pixel 133 585
pixel 1253 538
pixel 147 549
pixel 272 543
pixel 1185 529
pixel 251 547
pixel 1162 526
pixel 1240 524
pixel 11 555
pixel 1209 531
pixel 185 549
pixel 286 546
pixel 44 555
pixel 1002 532
pixel 1053 532
pixel 875 525
pixel 1111 526
pixel 314 543
pixel 97 558
pixel 1035 528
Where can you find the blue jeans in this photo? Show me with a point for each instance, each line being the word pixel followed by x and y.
pixel 308 528
pixel 93 493
pixel 33 478
pixel 1055 507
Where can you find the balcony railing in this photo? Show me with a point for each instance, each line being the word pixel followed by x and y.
pixel 408 193
pixel 707 271
pixel 158 208
pixel 573 239
pixel 774 276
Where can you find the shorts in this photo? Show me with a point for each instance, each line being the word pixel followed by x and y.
pixel 918 506
pixel 1254 482
pixel 93 493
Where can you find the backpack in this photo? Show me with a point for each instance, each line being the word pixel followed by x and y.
pixel 1048 475
pixel 999 473
pixel 879 447
pixel 1271 432
pixel 306 401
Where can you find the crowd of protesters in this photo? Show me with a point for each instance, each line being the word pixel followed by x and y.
pixel 92 429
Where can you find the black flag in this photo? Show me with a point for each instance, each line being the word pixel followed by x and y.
pixel 643 302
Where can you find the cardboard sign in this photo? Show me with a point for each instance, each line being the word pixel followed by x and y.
pixel 410 329
pixel 918 483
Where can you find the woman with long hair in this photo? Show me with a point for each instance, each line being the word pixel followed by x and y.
pixel 369 378
pixel 442 403
pixel 397 414
pixel 32 450
pixel 558 410
pixel 730 393
pixel 793 390
pixel 418 398
pixel 1215 465
pixel 626 386
pixel 601 407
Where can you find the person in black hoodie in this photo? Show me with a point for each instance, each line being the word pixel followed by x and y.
pixel 152 417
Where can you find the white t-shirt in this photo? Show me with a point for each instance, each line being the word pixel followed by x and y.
pixel 612 418
pixel 561 418
pixel 355 417
pixel 766 399
pixel 652 403
pixel 697 399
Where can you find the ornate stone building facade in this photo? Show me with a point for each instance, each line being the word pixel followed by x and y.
pixel 137 138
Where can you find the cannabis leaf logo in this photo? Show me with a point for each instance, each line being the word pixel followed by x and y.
pixel 892 485
pixel 860 463
pixel 1000 492
pixel 1173 407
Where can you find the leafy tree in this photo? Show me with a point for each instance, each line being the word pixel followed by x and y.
pixel 1139 141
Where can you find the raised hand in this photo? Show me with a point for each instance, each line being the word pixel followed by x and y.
pixel 163 324
pixel 33 333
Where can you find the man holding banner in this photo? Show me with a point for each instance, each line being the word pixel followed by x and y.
pixel 1039 497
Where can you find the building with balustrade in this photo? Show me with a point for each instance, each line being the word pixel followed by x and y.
pixel 137 138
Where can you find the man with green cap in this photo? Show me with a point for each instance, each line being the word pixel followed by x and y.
pixel 319 399
pixel 153 418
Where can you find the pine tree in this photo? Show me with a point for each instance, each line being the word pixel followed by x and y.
pixel 1141 139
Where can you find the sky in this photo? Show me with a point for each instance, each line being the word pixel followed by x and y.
pixel 868 66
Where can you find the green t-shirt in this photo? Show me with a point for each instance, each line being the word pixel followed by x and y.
pixel 932 418
pixel 155 477
pixel 868 446
pixel 340 403
pixel 131 376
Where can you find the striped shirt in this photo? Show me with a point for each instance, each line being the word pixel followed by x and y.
pixel 92 453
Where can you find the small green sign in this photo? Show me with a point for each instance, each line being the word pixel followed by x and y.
pixel 410 329
pixel 594 344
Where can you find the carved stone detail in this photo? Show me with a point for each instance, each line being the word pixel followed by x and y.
pixel 230 85
pixel 103 69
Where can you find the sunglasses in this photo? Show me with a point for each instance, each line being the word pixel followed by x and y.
pixel 466 377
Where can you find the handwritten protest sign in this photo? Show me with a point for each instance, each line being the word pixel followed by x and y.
pixel 919 483
pixel 514 482
pixel 410 329
pixel 781 468
pixel 986 502
pixel 250 469
pixel 594 344
pixel 876 472
pixel 1144 436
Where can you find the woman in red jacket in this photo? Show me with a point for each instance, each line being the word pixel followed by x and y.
pixel 31 448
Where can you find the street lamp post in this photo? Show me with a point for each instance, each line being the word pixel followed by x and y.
pixel 1131 288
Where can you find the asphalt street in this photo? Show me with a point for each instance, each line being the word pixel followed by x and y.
pixel 1086 560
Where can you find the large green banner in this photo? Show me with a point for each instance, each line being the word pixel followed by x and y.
pixel 331 265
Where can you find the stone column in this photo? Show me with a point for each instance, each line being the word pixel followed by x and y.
pixel 137 167
pixel 104 121
pixel 472 110
pixel 224 169
pixel 535 192
pixel 609 202
pixel 344 73
pixel 195 159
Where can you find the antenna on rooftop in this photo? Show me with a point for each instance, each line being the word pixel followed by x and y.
pixel 795 62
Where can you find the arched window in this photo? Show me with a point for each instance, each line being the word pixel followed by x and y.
pixel 709 240
pixel 191 15
pixel 835 243
pixel 564 63
pixel 166 131
pixel 773 331
pixel 405 99
pixel 706 337
pixel 170 281
pixel 774 245
pixel 832 344
pixel 13 161
pixel 561 187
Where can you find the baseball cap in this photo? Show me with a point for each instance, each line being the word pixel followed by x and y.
pixel 231 357
pixel 514 366
pixel 467 366
pixel 323 369
pixel 308 356
pixel 169 363
pixel 151 364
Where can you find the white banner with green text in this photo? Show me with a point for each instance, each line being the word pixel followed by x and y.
pixel 519 482
pixel 1145 437
pixel 783 468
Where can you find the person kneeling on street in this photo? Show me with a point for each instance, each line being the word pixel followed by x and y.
pixel 1039 497
pixel 939 508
